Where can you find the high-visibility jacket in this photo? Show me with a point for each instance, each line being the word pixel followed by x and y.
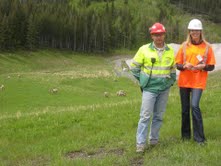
pixel 158 76
pixel 189 53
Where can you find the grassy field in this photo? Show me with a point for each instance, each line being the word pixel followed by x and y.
pixel 53 112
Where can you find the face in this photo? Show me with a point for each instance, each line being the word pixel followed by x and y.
pixel 195 34
pixel 158 39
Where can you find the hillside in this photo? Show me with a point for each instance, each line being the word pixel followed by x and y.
pixel 97 25
pixel 54 112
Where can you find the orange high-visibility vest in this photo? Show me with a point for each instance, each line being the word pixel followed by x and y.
pixel 189 53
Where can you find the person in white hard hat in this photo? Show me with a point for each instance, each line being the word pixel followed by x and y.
pixel 194 59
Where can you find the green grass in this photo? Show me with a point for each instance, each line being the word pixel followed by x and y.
pixel 79 126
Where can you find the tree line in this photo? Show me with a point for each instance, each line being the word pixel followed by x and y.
pixel 84 25
pixel 211 9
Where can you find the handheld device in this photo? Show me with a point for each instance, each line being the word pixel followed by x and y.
pixel 153 60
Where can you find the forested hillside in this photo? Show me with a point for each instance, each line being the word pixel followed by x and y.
pixel 210 9
pixel 99 25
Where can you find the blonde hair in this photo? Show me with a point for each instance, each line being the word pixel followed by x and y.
pixel 188 39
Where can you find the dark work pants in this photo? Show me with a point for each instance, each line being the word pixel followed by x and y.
pixel 190 97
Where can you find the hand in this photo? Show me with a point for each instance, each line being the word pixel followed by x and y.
pixel 200 66
pixel 188 66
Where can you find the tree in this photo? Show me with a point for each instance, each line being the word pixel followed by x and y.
pixel 32 33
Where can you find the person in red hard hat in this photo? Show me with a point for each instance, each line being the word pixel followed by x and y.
pixel 153 66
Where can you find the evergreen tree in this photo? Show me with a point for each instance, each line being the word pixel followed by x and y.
pixel 32 33
pixel 95 25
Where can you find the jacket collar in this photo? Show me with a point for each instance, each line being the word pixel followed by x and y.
pixel 151 46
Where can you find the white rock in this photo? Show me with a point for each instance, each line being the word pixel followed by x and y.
pixel 2 87
pixel 121 93
pixel 106 94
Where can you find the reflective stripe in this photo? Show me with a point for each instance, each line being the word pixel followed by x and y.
pixel 136 63
pixel 173 71
pixel 158 67
pixel 184 52
pixel 157 72
pixel 157 75
pixel 206 52
pixel 160 75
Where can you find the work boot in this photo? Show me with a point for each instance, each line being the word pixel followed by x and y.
pixel 140 148
pixel 153 142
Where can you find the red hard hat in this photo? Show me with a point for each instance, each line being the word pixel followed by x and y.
pixel 157 28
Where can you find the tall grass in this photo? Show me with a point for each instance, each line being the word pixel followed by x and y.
pixel 77 125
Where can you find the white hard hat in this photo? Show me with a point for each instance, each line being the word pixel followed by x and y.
pixel 195 24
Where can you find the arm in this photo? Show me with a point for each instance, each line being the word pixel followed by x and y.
pixel 173 74
pixel 209 67
pixel 180 67
pixel 135 69
pixel 136 64
pixel 179 59
pixel 181 64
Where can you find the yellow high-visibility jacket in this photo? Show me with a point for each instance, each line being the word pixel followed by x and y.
pixel 158 76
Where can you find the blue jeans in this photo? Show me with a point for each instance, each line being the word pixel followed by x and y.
pixel 153 104
pixel 193 103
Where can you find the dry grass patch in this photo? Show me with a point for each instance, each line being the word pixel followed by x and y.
pixel 100 153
